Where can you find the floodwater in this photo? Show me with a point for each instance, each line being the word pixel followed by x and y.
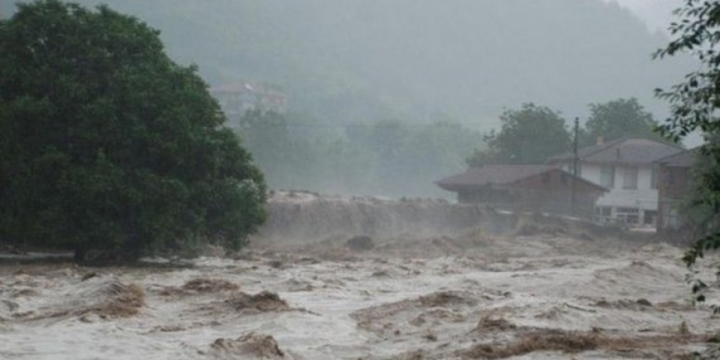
pixel 471 296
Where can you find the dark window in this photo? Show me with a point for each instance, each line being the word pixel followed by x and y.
pixel 630 177
pixel 607 177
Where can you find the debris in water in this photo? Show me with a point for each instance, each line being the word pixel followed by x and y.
pixel 24 293
pixel 276 264
pixel 123 300
pixel 360 243
pixel 444 298
pixel 264 301
pixel 89 276
pixel 251 345
pixel 566 342
pixel 430 336
pixel 209 285
pixel 684 330
pixel 493 322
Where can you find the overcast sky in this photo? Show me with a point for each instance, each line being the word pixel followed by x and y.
pixel 657 14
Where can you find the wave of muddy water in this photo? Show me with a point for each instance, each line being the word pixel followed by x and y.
pixel 471 296
pixel 434 299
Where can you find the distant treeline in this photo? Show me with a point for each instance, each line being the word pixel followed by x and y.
pixel 400 158
pixel 388 157
pixel 347 61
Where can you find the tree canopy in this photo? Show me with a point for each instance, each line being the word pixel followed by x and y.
pixel 528 136
pixel 619 118
pixel 106 143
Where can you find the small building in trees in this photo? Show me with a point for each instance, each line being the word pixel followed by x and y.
pixel 238 97
pixel 539 188
pixel 626 167
pixel 674 188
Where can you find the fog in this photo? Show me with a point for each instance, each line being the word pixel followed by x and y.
pixel 362 255
pixel 656 14
pixel 416 62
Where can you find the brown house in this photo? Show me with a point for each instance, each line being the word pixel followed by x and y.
pixel 674 185
pixel 525 188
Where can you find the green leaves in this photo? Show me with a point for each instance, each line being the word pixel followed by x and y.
pixel 619 118
pixel 694 104
pixel 528 136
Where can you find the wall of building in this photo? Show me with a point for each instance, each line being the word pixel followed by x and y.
pixel 673 187
pixel 549 192
pixel 643 197
pixel 618 203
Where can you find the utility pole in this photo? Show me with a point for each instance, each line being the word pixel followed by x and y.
pixel 575 165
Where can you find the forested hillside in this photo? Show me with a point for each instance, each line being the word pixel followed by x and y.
pixel 347 60
pixel 343 62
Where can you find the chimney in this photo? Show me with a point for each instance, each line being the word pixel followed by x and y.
pixel 600 140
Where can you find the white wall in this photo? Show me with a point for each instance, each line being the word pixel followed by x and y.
pixel 644 197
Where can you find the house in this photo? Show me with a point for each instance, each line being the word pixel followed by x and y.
pixel 237 98
pixel 524 188
pixel 626 168
pixel 674 185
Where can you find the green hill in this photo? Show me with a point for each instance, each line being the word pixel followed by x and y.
pixel 348 60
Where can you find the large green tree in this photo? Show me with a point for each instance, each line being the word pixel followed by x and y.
pixel 529 135
pixel 106 143
pixel 619 118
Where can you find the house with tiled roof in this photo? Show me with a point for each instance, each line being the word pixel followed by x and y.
pixel 626 167
pixel 539 188
pixel 238 97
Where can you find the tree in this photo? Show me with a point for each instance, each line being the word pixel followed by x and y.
pixel 619 118
pixel 694 106
pixel 108 144
pixel 528 136
pixel 287 158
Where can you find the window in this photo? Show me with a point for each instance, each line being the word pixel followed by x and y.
pixel 628 215
pixel 603 214
pixel 630 178
pixel 607 177
pixel 650 217
pixel 654 178
pixel 604 211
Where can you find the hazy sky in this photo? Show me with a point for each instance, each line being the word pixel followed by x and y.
pixel 657 14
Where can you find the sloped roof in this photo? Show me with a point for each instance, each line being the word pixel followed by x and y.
pixel 243 86
pixel 682 159
pixel 497 175
pixel 233 87
pixel 622 151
